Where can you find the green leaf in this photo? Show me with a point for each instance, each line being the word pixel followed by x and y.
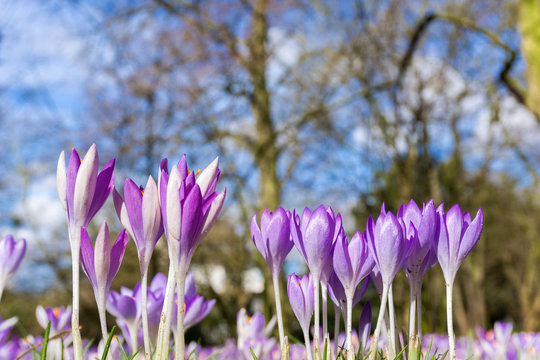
pixel 108 344
pixel 253 354
pixel 45 341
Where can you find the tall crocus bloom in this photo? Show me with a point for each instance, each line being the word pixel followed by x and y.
pixel 313 235
pixel 190 206
pixel 420 227
pixel 301 297
pixel 101 265
pixel 140 214
pixel 11 254
pixel 389 248
pixel 352 263
pixel 273 240
pixel 458 235
pixel 82 191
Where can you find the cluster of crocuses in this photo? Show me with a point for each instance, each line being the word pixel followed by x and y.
pixel 183 205
pixel 413 240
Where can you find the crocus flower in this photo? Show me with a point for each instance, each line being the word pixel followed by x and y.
pixel 190 206
pixel 420 227
pixel 301 297
pixel 102 265
pixel 313 235
pixel 11 254
pixel 58 316
pixel 5 328
pixel 352 263
pixel 252 327
pixel 126 307
pixel 82 191
pixel 273 240
pixel 140 214
pixel 458 235
pixel 389 248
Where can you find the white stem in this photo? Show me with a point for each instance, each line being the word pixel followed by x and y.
pixel 316 332
pixel 179 344
pixel 449 317
pixel 146 332
pixel 3 281
pixel 412 316
pixel 348 326
pixel 103 320
pixel 75 242
pixel 375 341
pixel 308 345
pixel 164 331
pixel 275 279
pixel 324 292
pixel 337 317
pixel 419 312
pixel 133 335
pixel 393 347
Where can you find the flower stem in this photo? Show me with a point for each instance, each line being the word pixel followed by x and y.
pixel 179 344
pixel 316 322
pixel 324 293
pixel 449 317
pixel 375 341
pixel 412 317
pixel 337 317
pixel 146 332
pixel 75 242
pixel 348 326
pixel 419 312
pixel 308 345
pixel 162 343
pixel 393 347
pixel 275 279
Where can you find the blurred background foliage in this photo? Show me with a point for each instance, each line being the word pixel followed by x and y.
pixel 348 103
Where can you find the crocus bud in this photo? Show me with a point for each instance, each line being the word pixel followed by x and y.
pixel 81 189
pixel 352 261
pixel 457 237
pixel 300 293
pixel 140 214
pixel 313 236
pixel 273 238
pixel 11 255
pixel 389 248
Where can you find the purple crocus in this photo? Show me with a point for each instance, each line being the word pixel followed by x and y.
pixel 420 227
pixel 458 235
pixel 389 248
pixel 273 240
pixel 5 328
pixel 101 265
pixel 58 316
pixel 352 263
pixel 82 191
pixel 196 306
pixel 301 297
pixel 11 255
pixel 313 235
pixel 140 214
pixel 126 307
pixel 190 206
